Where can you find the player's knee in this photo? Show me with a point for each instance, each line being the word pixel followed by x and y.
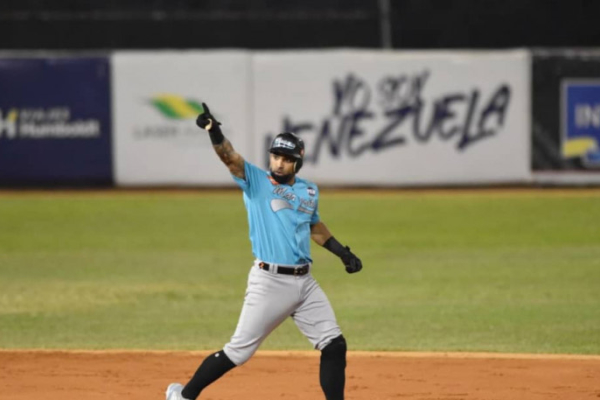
pixel 238 356
pixel 336 349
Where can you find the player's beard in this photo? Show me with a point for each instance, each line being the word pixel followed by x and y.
pixel 282 179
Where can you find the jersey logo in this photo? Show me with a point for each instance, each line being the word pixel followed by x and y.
pixel 282 191
pixel 280 204
pixel 311 191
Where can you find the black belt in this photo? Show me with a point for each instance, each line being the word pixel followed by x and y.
pixel 296 271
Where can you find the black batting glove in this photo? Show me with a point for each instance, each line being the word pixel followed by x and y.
pixel 351 262
pixel 205 118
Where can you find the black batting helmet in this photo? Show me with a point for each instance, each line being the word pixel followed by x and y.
pixel 289 144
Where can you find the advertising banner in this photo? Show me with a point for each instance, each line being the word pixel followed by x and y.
pixel 566 116
pixel 581 121
pixel 398 118
pixel 156 99
pixel 55 121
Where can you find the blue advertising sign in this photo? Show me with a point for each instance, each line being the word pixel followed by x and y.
pixel 581 121
pixel 55 121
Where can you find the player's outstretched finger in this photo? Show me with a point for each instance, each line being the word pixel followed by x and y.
pixel 205 108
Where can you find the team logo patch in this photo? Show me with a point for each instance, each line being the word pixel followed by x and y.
pixel 311 191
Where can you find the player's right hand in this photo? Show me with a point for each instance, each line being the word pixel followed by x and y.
pixel 205 120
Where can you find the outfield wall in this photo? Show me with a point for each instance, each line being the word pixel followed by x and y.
pixel 368 118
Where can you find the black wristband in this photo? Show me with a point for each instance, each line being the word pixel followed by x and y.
pixel 335 247
pixel 216 136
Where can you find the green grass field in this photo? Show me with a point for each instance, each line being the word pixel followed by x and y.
pixel 458 271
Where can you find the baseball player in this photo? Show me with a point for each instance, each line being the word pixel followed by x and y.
pixel 283 216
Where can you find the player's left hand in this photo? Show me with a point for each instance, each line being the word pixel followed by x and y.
pixel 352 263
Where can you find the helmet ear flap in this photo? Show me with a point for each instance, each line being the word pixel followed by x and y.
pixel 300 161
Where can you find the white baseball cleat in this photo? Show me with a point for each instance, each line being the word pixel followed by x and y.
pixel 174 392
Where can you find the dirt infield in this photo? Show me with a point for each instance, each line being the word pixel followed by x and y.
pixel 80 375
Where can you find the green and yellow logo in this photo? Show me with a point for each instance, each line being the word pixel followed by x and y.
pixel 176 107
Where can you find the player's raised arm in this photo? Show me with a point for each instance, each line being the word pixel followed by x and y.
pixel 323 237
pixel 232 159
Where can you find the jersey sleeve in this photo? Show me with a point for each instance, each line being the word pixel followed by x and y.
pixel 315 216
pixel 252 173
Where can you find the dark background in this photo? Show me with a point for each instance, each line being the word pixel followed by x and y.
pixel 564 35
pixel 263 24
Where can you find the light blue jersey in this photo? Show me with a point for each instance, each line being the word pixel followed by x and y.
pixel 279 216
